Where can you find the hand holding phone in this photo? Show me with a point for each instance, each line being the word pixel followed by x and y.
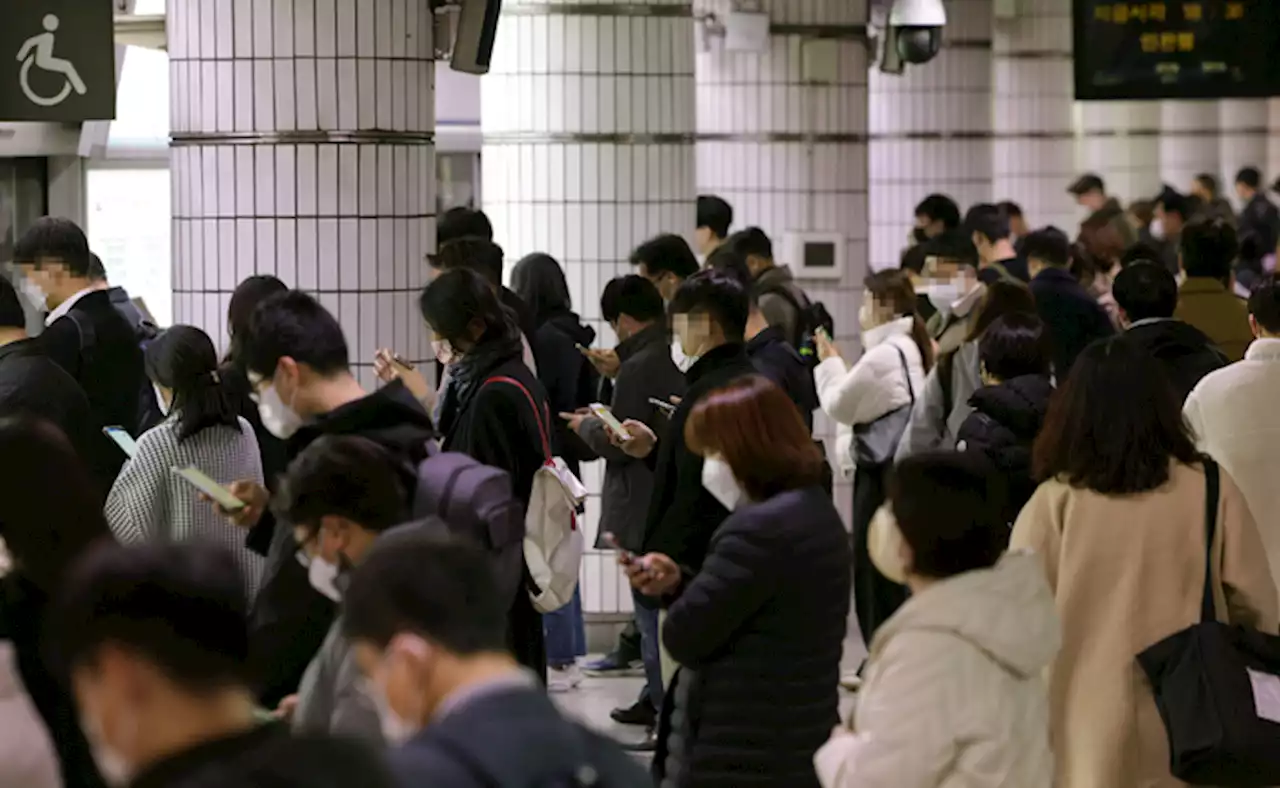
pixel 605 415
pixel 123 439
pixel 216 492
pixel 625 557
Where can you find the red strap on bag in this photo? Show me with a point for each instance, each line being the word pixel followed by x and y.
pixel 542 430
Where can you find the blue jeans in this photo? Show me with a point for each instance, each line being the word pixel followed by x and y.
pixel 647 623
pixel 565 633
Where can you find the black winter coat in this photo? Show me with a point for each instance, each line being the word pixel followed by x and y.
pixel 1003 426
pixel 778 361
pixel 1186 353
pixel 569 379
pixel 31 383
pixel 758 633
pixel 1072 317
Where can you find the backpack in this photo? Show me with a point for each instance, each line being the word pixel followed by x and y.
pixel 599 761
pixel 553 543
pixel 810 316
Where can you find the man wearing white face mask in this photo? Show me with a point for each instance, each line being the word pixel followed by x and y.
pixel 153 640
pixel 298 365
pixel 953 287
pixel 429 628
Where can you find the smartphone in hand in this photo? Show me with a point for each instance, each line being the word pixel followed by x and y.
pixel 626 556
pixel 603 413
pixel 123 439
pixel 201 481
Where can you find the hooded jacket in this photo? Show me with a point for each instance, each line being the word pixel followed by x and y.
pixel 571 382
pixel 952 694
pixel 779 297
pixel 1184 351
pixel 1005 421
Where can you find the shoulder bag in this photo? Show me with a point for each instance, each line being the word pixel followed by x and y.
pixel 876 442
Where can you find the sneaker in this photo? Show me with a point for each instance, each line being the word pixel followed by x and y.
pixel 612 666
pixel 648 744
pixel 563 679
pixel 639 713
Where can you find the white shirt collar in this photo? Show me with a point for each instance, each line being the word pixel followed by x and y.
pixel 1263 349
pixel 62 309
pixel 1148 321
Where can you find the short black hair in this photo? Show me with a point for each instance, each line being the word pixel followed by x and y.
pixel 1249 176
pixel 941 208
pixel 1089 182
pixel 248 295
pixel 1264 303
pixel 1048 245
pixel 184 360
pixel 11 312
pixel 914 258
pixel 56 239
pixel 463 222
pixel 1208 182
pixel 1144 290
pixel 728 260
pixel 1140 252
pixel 179 605
pixel 949 507
pixel 1174 201
pixel 1010 209
pixel 953 246
pixel 476 254
pixel 720 295
pixel 666 253
pixel 97 270
pixel 1014 345
pixel 988 221
pixel 751 242
pixel 456 298
pixel 634 296
pixel 1209 246
pixel 343 476
pixel 439 587
pixel 714 214
pixel 294 324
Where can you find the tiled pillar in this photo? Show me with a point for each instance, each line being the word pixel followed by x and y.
pixel 1242 141
pixel 931 130
pixel 785 144
pixel 588 117
pixel 1120 140
pixel 1034 148
pixel 302 147
pixel 1271 167
pixel 1188 141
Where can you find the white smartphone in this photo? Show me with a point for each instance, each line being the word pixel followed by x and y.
pixel 123 439
pixel 603 413
pixel 199 480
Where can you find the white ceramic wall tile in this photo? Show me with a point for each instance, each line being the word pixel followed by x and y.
pixel 1242 142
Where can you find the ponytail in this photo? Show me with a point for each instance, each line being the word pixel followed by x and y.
pixel 923 341
pixel 184 360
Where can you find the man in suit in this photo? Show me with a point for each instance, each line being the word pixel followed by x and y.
pixel 85 334
pixel 1073 318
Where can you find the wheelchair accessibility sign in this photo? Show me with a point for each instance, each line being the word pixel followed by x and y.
pixel 57 60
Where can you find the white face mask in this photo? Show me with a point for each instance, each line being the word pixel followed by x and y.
pixel 443 351
pixel 323 576
pixel 395 729
pixel 1157 229
pixel 163 404
pixel 280 420
pixel 718 479
pixel 34 294
pixel 944 294
pixel 683 363
pixel 867 315
pixel 113 767
pixel 884 543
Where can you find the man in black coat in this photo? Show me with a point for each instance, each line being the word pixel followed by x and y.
pixel 85 334
pixel 1072 317
pixel 1259 226
pixel 1147 295
pixel 299 369
pixel 463 711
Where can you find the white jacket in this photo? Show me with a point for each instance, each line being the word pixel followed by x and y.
pixel 874 386
pixel 954 695
pixel 27 757
pixel 1234 415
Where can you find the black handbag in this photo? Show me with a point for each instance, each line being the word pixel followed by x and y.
pixel 876 442
pixel 1217 687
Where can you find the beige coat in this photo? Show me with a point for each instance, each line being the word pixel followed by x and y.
pixel 1128 572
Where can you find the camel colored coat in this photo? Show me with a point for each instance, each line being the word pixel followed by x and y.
pixel 1128 571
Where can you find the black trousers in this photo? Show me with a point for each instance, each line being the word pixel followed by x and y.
pixel 875 597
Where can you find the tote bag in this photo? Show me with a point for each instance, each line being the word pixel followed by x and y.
pixel 1218 689
pixel 876 442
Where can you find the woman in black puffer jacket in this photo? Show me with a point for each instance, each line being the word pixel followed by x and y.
pixel 1010 409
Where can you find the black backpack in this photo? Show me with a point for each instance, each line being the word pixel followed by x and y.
pixel 810 316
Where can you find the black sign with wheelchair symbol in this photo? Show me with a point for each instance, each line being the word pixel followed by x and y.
pixel 57 60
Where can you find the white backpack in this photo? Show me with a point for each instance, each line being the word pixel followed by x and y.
pixel 553 543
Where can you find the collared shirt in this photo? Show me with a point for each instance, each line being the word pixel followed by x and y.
pixel 1147 321
pixel 62 309
pixel 516 679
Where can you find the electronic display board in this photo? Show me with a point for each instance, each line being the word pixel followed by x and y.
pixel 1167 49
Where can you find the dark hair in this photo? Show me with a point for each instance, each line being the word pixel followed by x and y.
pixel 666 253
pixel 1139 252
pixel 893 289
pixel 721 296
pixel 949 507
pixel 1102 240
pixel 179 605
pixel 462 222
pixel 941 208
pixel 1173 201
pixel 751 242
pixel 97 271
pixel 456 299
pixel 1001 298
pixel 1209 247
pixel 1264 303
pixel 244 302
pixel 1114 423
pixel 1014 346
pixel 184 360
pixel 539 281
pixel 294 324
pixel 1089 182
pixel 12 314
pixel 432 585
pixel 1143 210
pixel 1144 290
pixel 714 214
pixel 1208 183
pixel 988 221
pixel 55 239
pixel 729 261
pixel 952 246
pixel 765 442
pixel 913 259
pixel 344 476
pixel 1084 264
pixel 1048 245
pixel 633 296
pixel 474 254
pixel 1250 177
pixel 1010 209
pixel 53 506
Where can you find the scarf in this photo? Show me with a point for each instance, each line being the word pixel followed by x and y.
pixel 469 373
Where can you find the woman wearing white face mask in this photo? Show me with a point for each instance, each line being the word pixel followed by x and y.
pixel 758 629
pixel 201 430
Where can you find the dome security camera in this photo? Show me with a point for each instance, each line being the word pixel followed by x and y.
pixel 917 25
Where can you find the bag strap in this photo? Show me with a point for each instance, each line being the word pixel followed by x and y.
pixel 1208 611
pixel 906 372
pixel 542 430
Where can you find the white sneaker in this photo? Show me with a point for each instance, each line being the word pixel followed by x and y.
pixel 564 679
pixel 851 681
